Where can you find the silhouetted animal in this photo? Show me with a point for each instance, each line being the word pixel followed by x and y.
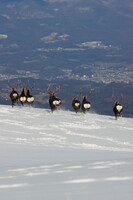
pixel 54 102
pixel 76 104
pixel 14 96
pixel 85 104
pixel 29 98
pixel 118 108
pixel 22 97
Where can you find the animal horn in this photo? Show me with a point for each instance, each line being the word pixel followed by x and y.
pixel 21 84
pixel 57 90
pixel 81 92
pixel 27 86
pixel 121 97
pixel 49 90
pixel 9 84
pixel 32 87
pixel 113 98
pixel 90 93
pixel 17 84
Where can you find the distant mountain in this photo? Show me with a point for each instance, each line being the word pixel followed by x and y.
pixel 67 40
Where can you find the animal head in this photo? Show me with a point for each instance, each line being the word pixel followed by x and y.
pixel 116 101
pixel 84 98
pixel 13 88
pixel 52 94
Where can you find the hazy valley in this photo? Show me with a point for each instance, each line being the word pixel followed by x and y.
pixel 75 44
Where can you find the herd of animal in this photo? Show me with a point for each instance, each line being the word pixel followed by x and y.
pixel 86 105
pixel 25 98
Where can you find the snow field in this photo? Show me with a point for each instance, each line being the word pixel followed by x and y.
pixel 64 155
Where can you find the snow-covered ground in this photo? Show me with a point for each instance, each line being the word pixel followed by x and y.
pixel 64 155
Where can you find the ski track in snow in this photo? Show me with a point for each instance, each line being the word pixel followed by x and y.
pixel 39 127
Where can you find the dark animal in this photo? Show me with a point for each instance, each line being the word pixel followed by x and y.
pixel 54 102
pixel 76 104
pixel 22 97
pixel 118 108
pixel 85 104
pixel 14 96
pixel 29 98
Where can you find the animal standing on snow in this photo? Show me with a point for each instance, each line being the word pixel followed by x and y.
pixel 14 96
pixel 118 108
pixel 29 98
pixel 54 102
pixel 85 104
pixel 22 97
pixel 76 104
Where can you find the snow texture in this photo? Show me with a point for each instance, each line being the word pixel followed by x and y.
pixel 64 155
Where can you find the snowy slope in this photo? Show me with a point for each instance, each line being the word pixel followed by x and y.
pixel 64 155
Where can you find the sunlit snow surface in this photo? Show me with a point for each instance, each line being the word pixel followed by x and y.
pixel 64 155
